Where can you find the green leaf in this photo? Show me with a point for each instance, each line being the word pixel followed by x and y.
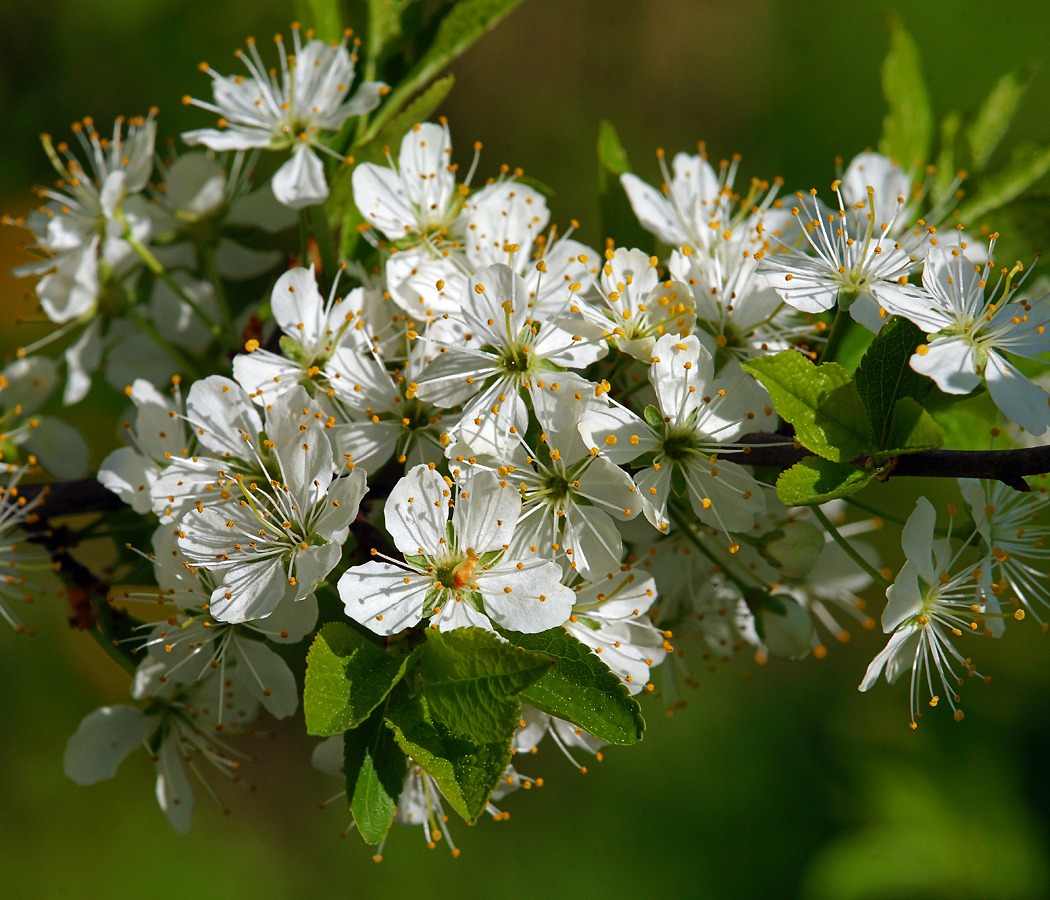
pixel 993 118
pixel 1028 164
pixel 653 417
pixel 385 25
pixel 973 425
pixel 347 676
pixel 340 206
pixel 324 16
pixel 618 219
pixel 885 374
pixel 581 689
pixel 375 768
pixel 471 680
pixel 816 480
pixel 912 429
pixel 612 158
pixel 820 401
pixel 466 772
pixel 908 126
pixel 465 22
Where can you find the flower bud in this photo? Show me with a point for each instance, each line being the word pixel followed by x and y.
pixel 783 625
pixel 793 548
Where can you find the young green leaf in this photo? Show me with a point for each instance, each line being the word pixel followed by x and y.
pixel 911 429
pixel 822 403
pixel 581 689
pixel 465 22
pixel 908 126
pixel 618 219
pixel 816 480
pixel 1028 164
pixel 466 772
pixel 993 118
pixel 347 676
pixel 885 375
pixel 471 680
pixel 375 768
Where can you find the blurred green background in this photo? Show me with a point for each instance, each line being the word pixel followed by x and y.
pixel 785 784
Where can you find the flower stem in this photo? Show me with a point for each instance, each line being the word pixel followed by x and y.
pixel 157 268
pixel 212 267
pixel 694 539
pixel 181 359
pixel 838 331
pixel 314 223
pixel 849 549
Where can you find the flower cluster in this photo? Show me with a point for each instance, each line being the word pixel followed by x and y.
pixel 496 471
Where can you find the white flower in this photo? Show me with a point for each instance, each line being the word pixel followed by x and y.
pixel 682 435
pixel 535 725
pixel 971 333
pixel 24 386
pixel 1013 526
pixel 508 352
pixel 178 731
pixel 570 499
pixel 278 538
pixel 157 434
pixel 232 442
pixel 192 644
pixel 926 609
pixel 634 308
pixel 610 617
pixel 458 577
pixel 292 109
pixel 857 263
pixel 81 228
pixel 313 328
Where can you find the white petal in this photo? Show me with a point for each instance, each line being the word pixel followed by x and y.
pixel 417 511
pixel 537 599
pixel 1019 399
pixel 102 740
pixel 220 412
pixel 266 677
pixel 300 182
pixel 653 210
pixel 383 598
pixel 903 597
pixel 897 656
pixel 174 793
pixel 82 358
pixel 949 362
pixel 381 201
pixel 129 475
pixel 485 513
pixel 249 591
pixel 917 539
pixel 62 450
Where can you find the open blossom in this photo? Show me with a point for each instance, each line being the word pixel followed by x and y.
pixel 191 644
pixel 293 108
pixel 179 732
pixel 508 353
pixel 971 330
pixel 279 537
pixel 233 439
pixel 534 726
pixel 571 500
pixel 694 419
pixel 634 307
pixel 24 386
pixel 856 262
pixel 157 434
pixel 927 608
pixel 1014 527
pixel 313 327
pixel 610 617
pixel 81 227
pixel 457 572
